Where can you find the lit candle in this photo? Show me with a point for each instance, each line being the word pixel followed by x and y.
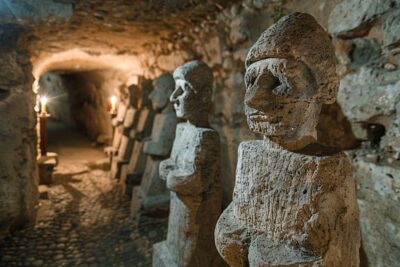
pixel 113 100
pixel 43 103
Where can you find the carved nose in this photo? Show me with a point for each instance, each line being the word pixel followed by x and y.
pixel 174 96
pixel 255 97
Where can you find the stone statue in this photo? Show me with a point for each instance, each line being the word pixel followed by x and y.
pixel 294 201
pixel 132 172
pixel 126 143
pixel 192 174
pixel 153 192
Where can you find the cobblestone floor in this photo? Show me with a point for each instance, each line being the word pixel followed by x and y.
pixel 85 222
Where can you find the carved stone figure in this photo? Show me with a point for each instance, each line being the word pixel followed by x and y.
pixel 153 191
pixel 294 201
pixel 192 174
pixel 127 121
pixel 132 172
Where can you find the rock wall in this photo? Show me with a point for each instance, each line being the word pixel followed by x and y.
pixel 18 173
pixel 364 121
pixel 367 37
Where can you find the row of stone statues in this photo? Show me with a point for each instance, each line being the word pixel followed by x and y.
pixel 294 200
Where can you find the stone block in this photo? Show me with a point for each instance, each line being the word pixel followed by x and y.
pixel 46 168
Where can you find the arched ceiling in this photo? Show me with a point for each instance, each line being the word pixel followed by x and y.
pixel 102 31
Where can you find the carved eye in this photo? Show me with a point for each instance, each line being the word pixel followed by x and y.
pixel 250 78
pixel 274 82
pixel 4 94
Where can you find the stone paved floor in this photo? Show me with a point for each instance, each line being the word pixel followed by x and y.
pixel 84 222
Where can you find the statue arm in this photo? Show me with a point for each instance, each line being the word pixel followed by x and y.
pixel 182 181
pixel 166 166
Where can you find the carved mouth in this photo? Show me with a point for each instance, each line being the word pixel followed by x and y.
pixel 261 117
pixel 177 104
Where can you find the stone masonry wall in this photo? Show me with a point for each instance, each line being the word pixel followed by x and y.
pixel 18 173
pixel 364 121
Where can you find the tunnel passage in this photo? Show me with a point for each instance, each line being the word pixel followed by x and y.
pixel 81 99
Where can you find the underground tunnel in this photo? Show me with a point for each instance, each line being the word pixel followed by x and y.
pixel 199 133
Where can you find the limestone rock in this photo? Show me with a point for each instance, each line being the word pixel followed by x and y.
pixel 391 28
pixel 353 17
pixel 378 197
pixel 368 85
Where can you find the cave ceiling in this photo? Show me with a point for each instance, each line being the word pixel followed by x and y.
pixel 107 27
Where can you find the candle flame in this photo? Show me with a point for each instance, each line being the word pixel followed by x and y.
pixel 43 100
pixel 113 99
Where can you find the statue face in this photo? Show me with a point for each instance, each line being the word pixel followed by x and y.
pixel 159 96
pixel 186 103
pixel 280 97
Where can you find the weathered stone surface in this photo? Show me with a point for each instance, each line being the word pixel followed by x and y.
pixel 391 27
pixel 378 197
pixel 294 201
pixel 18 171
pixel 369 85
pixel 354 17
pixel 192 174
pixel 391 140
pixel 137 161
pixel 159 145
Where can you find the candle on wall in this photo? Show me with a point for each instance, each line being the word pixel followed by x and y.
pixel 113 101
pixel 43 103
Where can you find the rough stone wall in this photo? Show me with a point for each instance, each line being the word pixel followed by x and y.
pixel 367 37
pixel 18 173
pixel 364 121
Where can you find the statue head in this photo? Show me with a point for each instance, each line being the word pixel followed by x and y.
pixel 290 73
pixel 163 87
pixel 133 95
pixel 145 88
pixel 193 90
